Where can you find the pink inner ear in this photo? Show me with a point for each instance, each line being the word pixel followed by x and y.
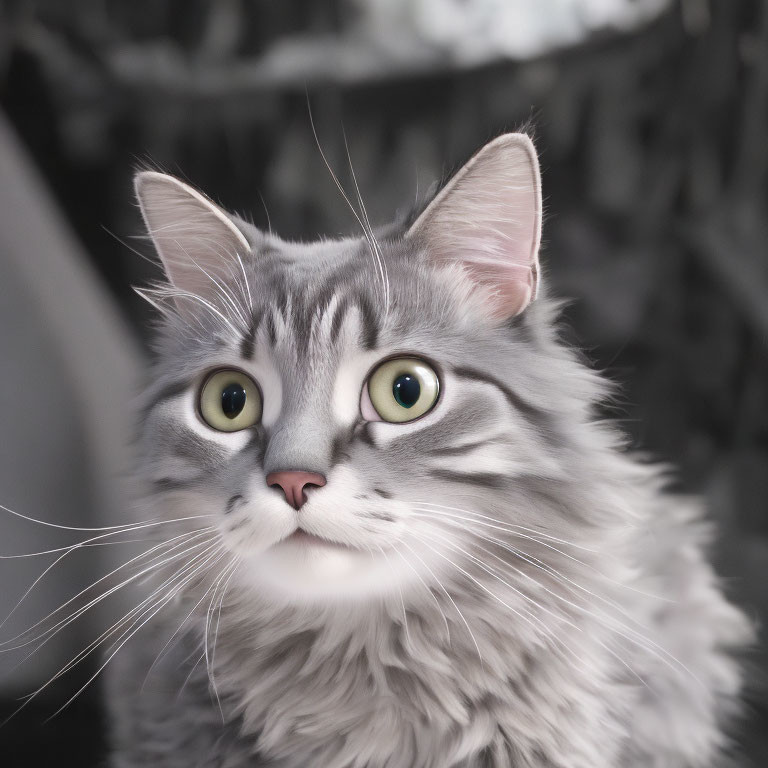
pixel 512 287
pixel 488 219
pixel 197 243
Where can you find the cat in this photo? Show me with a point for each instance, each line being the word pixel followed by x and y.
pixel 401 538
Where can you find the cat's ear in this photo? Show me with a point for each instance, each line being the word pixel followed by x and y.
pixel 196 241
pixel 488 218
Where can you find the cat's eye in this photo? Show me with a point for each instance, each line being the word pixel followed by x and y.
pixel 230 401
pixel 403 389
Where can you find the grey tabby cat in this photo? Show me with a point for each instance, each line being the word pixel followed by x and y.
pixel 401 538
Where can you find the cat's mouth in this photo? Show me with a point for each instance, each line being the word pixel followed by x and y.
pixel 302 538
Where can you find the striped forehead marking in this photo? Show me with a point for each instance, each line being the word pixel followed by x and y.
pixel 319 319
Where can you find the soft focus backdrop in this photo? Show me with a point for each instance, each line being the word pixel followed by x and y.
pixel 651 118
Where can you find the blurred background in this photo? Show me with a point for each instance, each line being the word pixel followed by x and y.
pixel 651 118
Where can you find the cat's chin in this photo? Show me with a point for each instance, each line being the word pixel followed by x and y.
pixel 304 567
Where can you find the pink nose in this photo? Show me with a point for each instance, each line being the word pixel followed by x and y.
pixel 293 483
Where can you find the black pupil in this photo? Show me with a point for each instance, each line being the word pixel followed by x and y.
pixel 406 390
pixel 232 400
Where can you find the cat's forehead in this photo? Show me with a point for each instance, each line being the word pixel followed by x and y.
pixel 381 279
pixel 305 308
pixel 300 263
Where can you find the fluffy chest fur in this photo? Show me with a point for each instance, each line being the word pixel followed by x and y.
pixel 374 693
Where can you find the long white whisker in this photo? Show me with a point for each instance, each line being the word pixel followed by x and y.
pixel 552 613
pixel 371 244
pixel 189 536
pixel 43 552
pixel 402 601
pixel 92 646
pixel 610 622
pixel 157 608
pixel 508 525
pixel 189 676
pixel 175 292
pixel 429 592
pixel 223 291
pixel 511 528
pixel 516 590
pixel 369 229
pixel 174 635
pixel 452 601
pixel 536 562
pixel 640 638
pixel 209 660
pixel 198 559
pixel 105 528
pixel 245 282
pixel 542 627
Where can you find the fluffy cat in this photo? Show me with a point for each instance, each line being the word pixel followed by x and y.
pixel 400 537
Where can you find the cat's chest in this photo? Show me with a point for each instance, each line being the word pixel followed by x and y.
pixel 303 701
pixel 294 700
pixel 309 698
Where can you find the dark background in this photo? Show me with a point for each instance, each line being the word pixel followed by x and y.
pixel 654 151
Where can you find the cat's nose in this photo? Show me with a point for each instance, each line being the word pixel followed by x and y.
pixel 294 483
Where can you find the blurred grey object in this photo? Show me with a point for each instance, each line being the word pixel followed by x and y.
pixel 69 367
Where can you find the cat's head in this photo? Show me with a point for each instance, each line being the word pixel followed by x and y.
pixel 345 412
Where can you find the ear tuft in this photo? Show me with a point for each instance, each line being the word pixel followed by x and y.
pixel 197 242
pixel 488 218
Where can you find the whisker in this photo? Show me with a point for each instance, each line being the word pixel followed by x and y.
pixel 452 601
pixel 133 250
pixel 72 546
pixel 162 652
pixel 40 578
pixel 540 564
pixel 563 578
pixel 189 676
pixel 371 244
pixel 542 625
pixel 511 528
pixel 609 622
pixel 516 590
pixel 245 281
pixel 131 633
pixel 507 524
pixel 370 234
pixel 209 661
pixel 429 592
pixel 94 644
pixel 201 558
pixel 222 291
pixel 402 601
pixel 188 536
pixel 173 292
pixel 550 612
pixel 105 528
pixel 266 212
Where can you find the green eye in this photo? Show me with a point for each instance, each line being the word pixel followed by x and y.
pixel 403 389
pixel 230 401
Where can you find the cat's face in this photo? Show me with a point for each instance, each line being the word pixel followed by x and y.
pixel 336 410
